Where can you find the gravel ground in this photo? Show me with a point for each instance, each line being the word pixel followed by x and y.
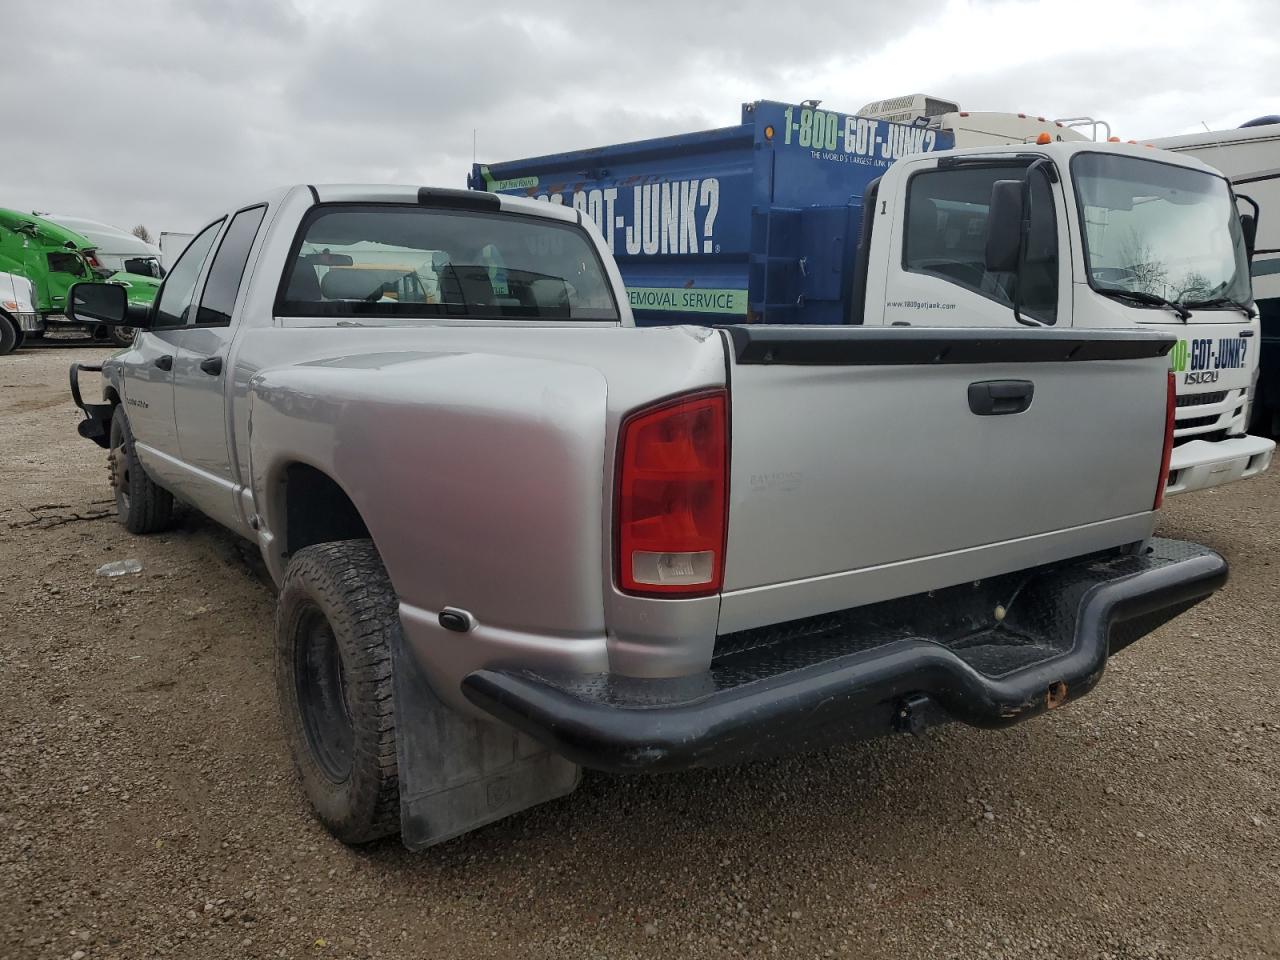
pixel 148 806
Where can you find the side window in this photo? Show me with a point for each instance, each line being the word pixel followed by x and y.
pixel 220 290
pixel 946 235
pixel 66 263
pixel 174 305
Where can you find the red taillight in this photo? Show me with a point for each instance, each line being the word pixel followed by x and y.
pixel 1170 408
pixel 672 497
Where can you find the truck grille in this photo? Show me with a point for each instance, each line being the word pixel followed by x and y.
pixel 1213 436
pixel 1201 399
pixel 1198 422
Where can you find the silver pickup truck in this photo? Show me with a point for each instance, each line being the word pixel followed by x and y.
pixel 515 535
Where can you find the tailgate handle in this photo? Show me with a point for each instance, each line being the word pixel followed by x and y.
pixel 995 398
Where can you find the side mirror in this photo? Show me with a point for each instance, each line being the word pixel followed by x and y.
pixel 105 303
pixel 1004 226
pixel 1249 227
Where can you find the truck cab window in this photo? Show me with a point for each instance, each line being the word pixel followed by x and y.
pixel 219 296
pixel 67 263
pixel 174 304
pixel 946 231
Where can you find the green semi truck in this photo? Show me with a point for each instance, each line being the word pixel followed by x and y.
pixel 51 258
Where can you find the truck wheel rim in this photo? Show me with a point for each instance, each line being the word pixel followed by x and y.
pixel 118 468
pixel 322 696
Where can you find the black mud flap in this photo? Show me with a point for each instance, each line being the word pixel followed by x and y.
pixel 456 773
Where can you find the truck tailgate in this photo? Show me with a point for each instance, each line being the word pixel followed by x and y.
pixel 868 463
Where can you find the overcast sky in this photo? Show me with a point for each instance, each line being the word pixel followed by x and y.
pixel 162 113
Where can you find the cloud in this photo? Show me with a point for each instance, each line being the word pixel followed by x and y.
pixel 164 114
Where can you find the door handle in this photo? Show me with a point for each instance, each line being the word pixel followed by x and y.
pixel 165 362
pixel 211 365
pixel 997 398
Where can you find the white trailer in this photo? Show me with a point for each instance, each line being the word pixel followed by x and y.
pixel 171 245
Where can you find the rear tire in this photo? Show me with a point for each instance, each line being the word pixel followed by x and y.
pixel 142 506
pixel 337 621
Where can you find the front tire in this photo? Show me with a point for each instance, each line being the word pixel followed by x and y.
pixel 9 335
pixel 142 506
pixel 337 621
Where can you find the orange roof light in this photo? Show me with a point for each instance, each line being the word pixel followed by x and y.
pixel 1134 142
pixel 1113 139
pixel 1043 139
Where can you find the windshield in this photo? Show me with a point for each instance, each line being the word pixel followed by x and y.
pixel 408 261
pixel 1159 229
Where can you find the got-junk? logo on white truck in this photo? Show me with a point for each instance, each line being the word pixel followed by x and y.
pixel 675 216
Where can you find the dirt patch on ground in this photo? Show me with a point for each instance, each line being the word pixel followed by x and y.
pixel 148 806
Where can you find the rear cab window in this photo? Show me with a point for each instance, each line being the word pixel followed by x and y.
pixel 384 260
pixel 227 270
pixel 946 233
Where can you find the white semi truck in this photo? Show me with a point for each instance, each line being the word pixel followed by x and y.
pixel 1162 242
pixel 18 313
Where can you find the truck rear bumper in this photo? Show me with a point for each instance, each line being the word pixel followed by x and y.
pixel 1198 464
pixel 988 654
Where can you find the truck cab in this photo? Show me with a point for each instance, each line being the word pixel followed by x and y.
pixel 1114 236
pixel 50 256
